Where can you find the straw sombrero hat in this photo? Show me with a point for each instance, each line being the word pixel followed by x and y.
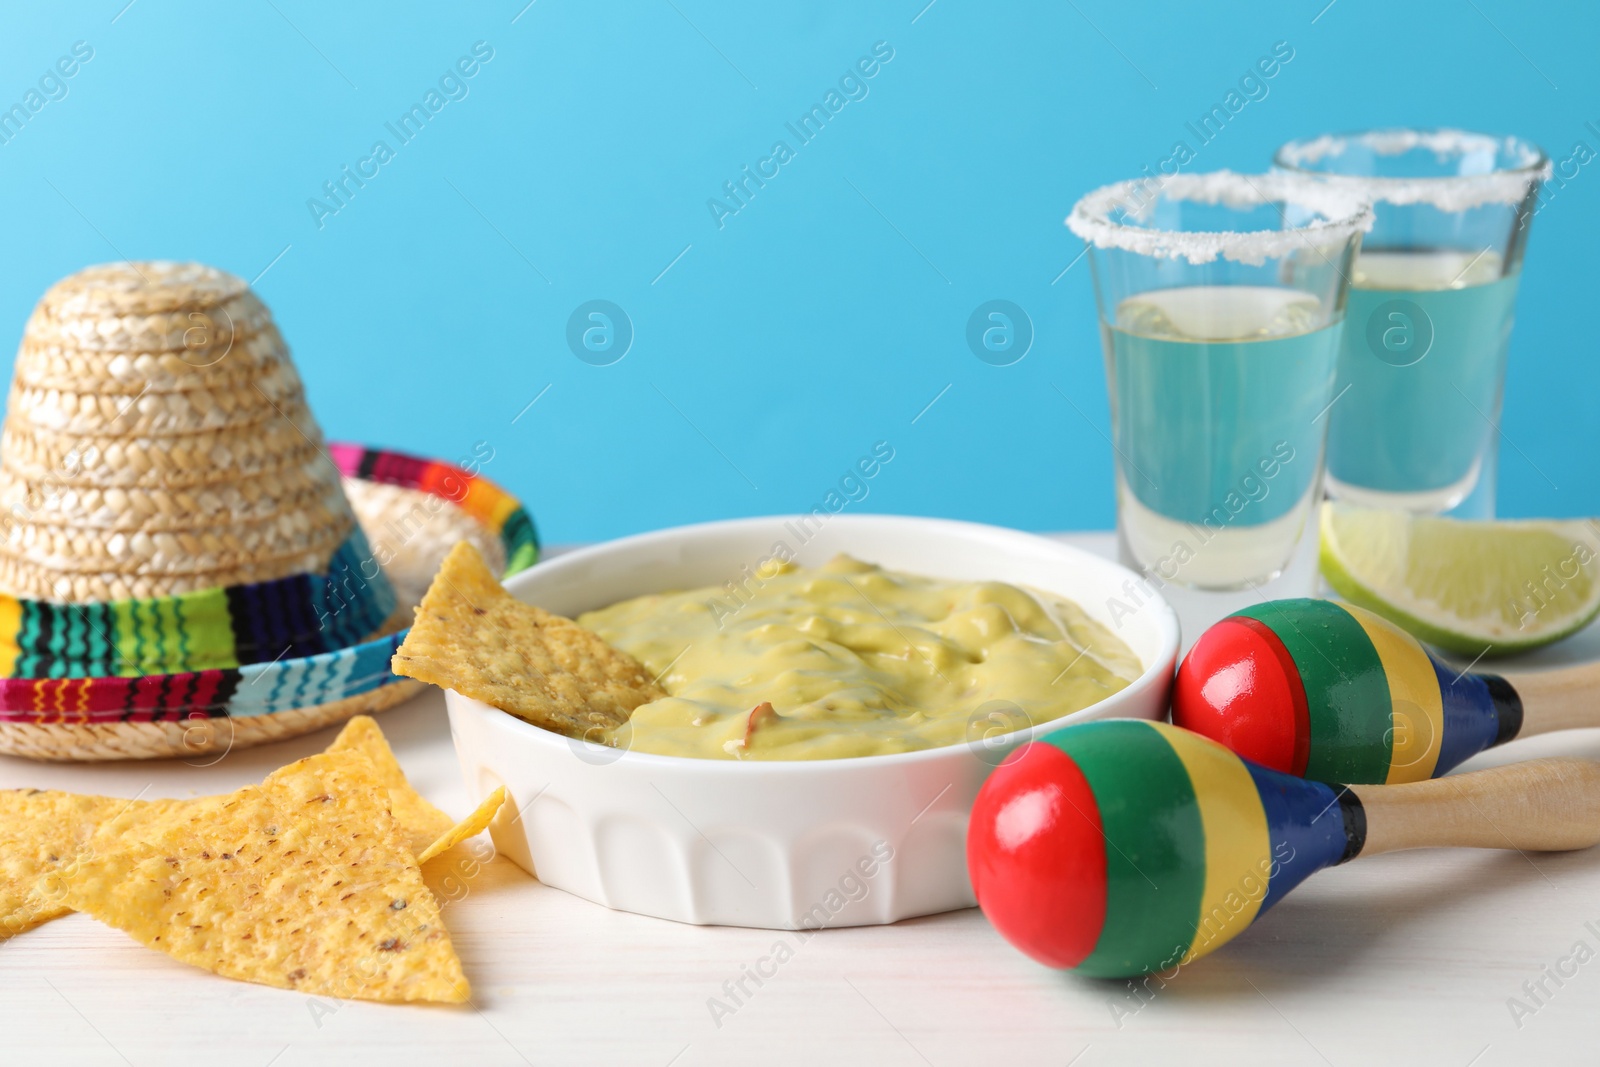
pixel 181 566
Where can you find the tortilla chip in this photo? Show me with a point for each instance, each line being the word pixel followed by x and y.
pixel 303 882
pixel 420 821
pixel 44 835
pixel 471 826
pixel 41 831
pixel 474 637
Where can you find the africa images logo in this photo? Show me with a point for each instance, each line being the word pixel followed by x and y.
pixel 338 192
pixel 51 86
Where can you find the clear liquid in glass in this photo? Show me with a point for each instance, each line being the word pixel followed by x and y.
pixel 1421 373
pixel 1218 395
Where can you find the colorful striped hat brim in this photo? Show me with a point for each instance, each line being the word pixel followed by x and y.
pixel 288 682
pixel 209 629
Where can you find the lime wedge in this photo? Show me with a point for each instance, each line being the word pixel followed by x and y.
pixel 1466 586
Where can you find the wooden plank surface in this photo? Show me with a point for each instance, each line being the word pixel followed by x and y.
pixel 1412 957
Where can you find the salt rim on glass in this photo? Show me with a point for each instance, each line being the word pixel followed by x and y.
pixel 1109 217
pixel 1447 192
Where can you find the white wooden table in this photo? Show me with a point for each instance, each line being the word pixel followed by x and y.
pixel 1406 958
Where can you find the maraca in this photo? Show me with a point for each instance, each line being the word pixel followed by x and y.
pixel 1120 847
pixel 1329 691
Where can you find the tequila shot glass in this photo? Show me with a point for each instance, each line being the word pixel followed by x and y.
pixel 1221 297
pixel 1422 366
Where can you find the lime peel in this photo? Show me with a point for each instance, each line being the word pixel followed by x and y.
pixel 1473 588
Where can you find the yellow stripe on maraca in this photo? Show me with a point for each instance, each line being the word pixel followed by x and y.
pixel 1418 715
pixel 1238 846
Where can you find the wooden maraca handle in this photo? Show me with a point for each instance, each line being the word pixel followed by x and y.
pixel 1546 805
pixel 1567 698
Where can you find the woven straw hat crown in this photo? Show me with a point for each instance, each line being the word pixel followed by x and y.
pixel 157 442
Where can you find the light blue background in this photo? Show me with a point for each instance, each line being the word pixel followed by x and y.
pixel 825 315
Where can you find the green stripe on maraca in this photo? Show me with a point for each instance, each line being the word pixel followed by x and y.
pixel 1347 694
pixel 1155 855
pixel 1123 847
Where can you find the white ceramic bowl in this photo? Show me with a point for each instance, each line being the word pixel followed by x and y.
pixel 782 845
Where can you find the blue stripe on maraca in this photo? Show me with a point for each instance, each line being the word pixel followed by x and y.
pixel 1304 824
pixel 1471 721
pixel 1507 707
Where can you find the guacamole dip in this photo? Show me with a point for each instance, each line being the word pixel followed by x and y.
pixel 849 659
